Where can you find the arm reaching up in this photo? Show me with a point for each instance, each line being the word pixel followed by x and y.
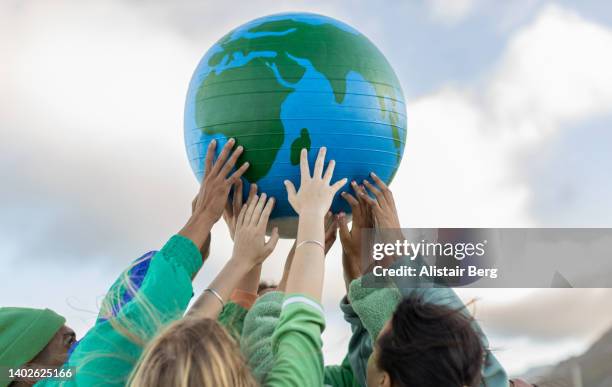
pixel 351 240
pixel 311 203
pixel 331 233
pixel 250 250
pixel 250 282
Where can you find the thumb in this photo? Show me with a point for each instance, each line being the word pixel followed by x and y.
pixel 271 243
pixel 290 190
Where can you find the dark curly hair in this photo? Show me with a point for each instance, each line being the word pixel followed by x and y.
pixel 430 345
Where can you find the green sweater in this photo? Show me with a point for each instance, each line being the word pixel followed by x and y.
pixel 108 351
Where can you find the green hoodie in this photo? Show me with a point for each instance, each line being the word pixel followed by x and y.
pixel 108 352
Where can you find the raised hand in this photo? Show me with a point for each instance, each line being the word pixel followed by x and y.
pixel 383 207
pixel 250 244
pixel 250 250
pixel 214 191
pixel 217 179
pixel 315 194
pixel 311 203
pixel 351 240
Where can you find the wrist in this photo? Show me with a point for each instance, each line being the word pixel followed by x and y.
pixel 241 263
pixel 197 230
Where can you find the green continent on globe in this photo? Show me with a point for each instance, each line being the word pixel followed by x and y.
pixel 238 112
pixel 298 144
pixel 229 102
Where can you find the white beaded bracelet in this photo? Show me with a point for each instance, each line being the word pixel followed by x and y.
pixel 311 241
pixel 216 294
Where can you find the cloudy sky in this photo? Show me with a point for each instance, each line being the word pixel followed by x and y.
pixel 509 112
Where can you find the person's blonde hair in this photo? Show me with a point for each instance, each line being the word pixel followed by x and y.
pixel 192 352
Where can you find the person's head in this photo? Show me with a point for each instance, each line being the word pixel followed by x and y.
pixel 425 344
pixel 33 338
pixel 266 287
pixel 192 352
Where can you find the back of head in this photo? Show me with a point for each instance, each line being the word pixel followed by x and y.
pixel 430 345
pixel 192 352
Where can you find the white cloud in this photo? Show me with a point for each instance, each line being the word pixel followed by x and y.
pixel 461 165
pixel 555 71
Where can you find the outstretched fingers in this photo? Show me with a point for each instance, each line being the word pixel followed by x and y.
pixel 210 156
pixel 319 163
pixel 220 162
pixel 271 243
pixel 383 187
pixel 238 173
pixel 241 215
pixel 231 161
pixel 291 193
pixel 251 204
pixel 329 172
pixel 345 233
pixel 258 209
pixel 265 214
pixel 350 199
pixel 372 203
pixel 252 191
pixel 304 168
pixel 337 185
pixel 380 198
pixel 237 199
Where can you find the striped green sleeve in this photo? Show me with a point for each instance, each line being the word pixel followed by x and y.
pixel 296 344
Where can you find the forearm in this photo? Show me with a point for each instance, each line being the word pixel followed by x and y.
pixel 197 229
pixel 350 270
pixel 250 282
pixel 282 285
pixel 207 305
pixel 306 274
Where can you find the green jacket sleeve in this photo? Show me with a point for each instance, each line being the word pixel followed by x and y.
pixel 108 352
pixel 360 344
pixel 256 340
pixel 340 375
pixel 296 344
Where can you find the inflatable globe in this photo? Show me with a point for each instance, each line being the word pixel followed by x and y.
pixel 286 82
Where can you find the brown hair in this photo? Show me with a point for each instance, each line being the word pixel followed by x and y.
pixel 192 352
pixel 431 345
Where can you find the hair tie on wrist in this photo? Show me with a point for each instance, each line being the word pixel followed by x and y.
pixel 311 241
pixel 216 294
